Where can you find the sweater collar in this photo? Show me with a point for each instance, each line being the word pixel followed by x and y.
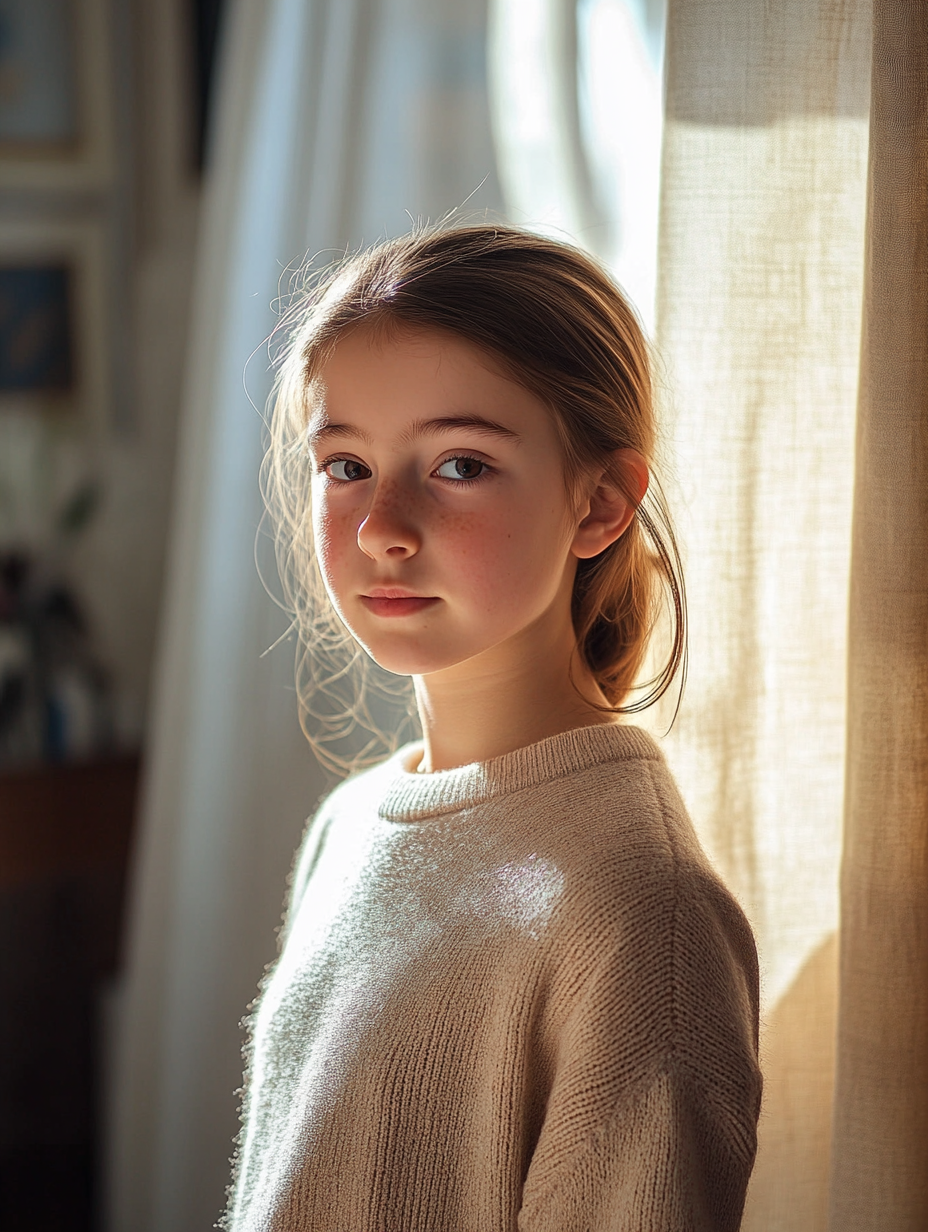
pixel 411 796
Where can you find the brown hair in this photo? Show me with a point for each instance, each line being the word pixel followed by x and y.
pixel 563 330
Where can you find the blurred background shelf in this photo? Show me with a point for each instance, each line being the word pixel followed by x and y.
pixel 65 838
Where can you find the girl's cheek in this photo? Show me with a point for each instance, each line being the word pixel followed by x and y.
pixel 333 540
pixel 510 558
pixel 488 558
pixel 472 536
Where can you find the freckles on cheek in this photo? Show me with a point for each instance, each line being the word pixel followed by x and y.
pixel 512 560
pixel 467 537
pixel 485 553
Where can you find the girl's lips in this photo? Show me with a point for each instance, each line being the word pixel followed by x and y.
pixel 395 603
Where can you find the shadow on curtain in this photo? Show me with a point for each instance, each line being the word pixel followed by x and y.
pixel 335 118
pixel 880 1159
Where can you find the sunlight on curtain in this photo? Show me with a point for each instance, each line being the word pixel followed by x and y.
pixel 759 325
pixel 759 310
pixel 576 107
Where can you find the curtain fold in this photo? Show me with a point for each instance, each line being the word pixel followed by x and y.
pixel 760 285
pixel 880 1170
pixel 335 118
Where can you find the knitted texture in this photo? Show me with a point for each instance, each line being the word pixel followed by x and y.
pixel 512 995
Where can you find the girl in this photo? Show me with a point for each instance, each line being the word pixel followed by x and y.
pixel 512 993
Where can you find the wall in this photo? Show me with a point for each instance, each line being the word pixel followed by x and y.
pixel 134 215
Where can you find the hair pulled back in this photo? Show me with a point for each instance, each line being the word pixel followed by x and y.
pixel 562 329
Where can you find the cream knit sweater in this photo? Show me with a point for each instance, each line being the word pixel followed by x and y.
pixel 510 996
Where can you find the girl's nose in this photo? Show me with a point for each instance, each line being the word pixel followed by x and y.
pixel 389 530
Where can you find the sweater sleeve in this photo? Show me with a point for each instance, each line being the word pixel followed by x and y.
pixel 650 1124
pixel 666 1163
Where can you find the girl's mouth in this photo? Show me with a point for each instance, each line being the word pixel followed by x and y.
pixel 395 602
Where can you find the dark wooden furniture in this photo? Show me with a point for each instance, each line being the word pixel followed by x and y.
pixel 65 835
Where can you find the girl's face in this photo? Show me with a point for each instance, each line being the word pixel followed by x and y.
pixel 442 522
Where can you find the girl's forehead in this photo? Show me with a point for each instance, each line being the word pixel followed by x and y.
pixel 410 365
pixel 413 383
pixel 386 339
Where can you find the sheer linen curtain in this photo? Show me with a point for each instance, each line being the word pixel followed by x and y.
pixel 760 284
pixel 767 215
pixel 335 118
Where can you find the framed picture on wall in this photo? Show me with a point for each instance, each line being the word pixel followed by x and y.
pixel 54 356
pixel 55 94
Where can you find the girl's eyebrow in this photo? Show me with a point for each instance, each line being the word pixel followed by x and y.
pixel 455 423
pixel 418 429
pixel 325 431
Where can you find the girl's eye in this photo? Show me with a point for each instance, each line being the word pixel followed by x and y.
pixel 461 468
pixel 346 469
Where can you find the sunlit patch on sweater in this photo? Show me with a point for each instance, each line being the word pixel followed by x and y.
pixel 522 893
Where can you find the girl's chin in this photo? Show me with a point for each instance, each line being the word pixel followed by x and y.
pixel 403 665
pixel 413 660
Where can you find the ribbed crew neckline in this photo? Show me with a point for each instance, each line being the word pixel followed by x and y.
pixel 411 796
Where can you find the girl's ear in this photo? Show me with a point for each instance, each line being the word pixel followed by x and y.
pixel 610 511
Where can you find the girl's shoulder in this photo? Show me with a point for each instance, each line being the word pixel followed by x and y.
pixel 646 934
pixel 636 878
pixel 354 797
pixel 617 810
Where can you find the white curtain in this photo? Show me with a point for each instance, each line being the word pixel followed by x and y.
pixel 575 89
pixel 337 120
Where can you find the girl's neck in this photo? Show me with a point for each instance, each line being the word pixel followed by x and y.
pixel 512 695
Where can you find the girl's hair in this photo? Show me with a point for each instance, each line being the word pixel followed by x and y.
pixel 563 330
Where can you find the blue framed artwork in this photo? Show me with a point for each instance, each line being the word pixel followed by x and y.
pixel 55 326
pixel 37 349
